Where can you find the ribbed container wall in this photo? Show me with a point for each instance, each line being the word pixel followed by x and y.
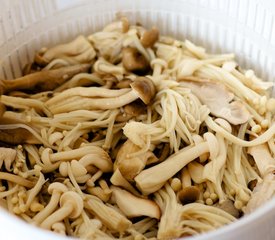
pixel 246 28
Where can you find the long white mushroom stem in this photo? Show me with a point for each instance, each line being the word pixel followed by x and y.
pixel 152 179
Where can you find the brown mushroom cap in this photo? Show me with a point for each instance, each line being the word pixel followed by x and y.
pixel 228 206
pixel 135 108
pixel 134 61
pixel 149 38
pixel 145 89
pixel 189 194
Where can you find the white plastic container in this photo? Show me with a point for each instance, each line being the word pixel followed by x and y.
pixel 245 27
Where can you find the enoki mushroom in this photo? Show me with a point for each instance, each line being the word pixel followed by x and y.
pixel 133 135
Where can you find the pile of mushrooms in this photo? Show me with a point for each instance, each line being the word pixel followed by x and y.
pixel 133 135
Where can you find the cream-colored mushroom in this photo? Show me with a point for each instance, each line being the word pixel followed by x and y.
pixel 77 51
pixel 142 87
pixel 130 166
pixel 219 100
pixel 265 189
pixel 134 61
pixel 118 180
pixel 71 206
pixel 133 206
pixel 152 179
pixel 43 80
pixel 56 189
pixel 263 159
pixel 7 156
pixel 110 217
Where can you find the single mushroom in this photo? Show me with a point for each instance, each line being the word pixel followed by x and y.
pixel 42 80
pixel 80 50
pixel 150 37
pixel 152 179
pixel 71 206
pixel 219 100
pixel 142 87
pixel 130 166
pixel 56 189
pixel 134 61
pixel 133 206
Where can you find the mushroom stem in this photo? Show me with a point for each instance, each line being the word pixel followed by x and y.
pixel 86 92
pixel 110 217
pixel 152 179
pixel 133 206
pixel 16 179
pixel 142 88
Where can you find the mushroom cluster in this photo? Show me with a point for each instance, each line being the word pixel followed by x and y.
pixel 133 135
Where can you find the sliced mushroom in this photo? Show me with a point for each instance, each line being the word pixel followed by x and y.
pixel 134 61
pixel 131 166
pixel 77 51
pixel 133 206
pixel 218 99
pixel 43 80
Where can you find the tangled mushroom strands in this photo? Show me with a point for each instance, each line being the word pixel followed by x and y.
pixel 176 220
pixel 264 137
pixel 79 128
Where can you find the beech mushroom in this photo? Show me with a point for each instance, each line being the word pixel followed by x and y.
pixel 218 99
pixel 152 179
pixel 71 206
pixel 142 87
pixel 150 37
pixel 77 51
pixel 228 206
pixel 128 165
pixel 133 206
pixel 43 80
pixel 134 61
pixel 56 189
